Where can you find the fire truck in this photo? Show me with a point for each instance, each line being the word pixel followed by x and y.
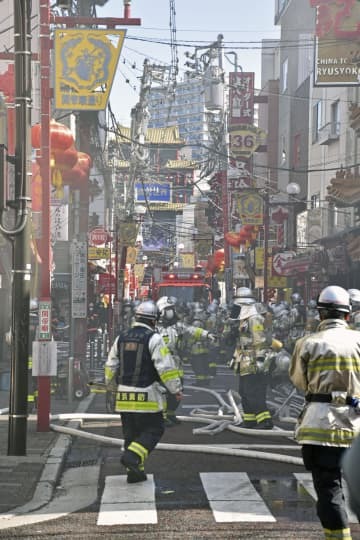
pixel 186 284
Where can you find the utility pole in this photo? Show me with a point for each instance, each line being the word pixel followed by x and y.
pixel 20 234
pixel 139 152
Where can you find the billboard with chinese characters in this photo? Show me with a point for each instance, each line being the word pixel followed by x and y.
pixel 85 65
pixel 337 56
pixel 241 96
pixel 152 192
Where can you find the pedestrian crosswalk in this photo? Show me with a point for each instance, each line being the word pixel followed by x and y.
pixel 232 497
pixel 120 504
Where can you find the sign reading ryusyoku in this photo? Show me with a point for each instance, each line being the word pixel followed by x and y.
pixel 337 58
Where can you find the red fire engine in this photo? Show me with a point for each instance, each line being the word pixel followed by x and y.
pixel 186 284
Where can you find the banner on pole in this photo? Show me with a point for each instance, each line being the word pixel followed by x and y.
pixel 85 65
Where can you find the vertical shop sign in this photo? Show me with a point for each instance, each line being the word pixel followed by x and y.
pixel 241 98
pixel 79 280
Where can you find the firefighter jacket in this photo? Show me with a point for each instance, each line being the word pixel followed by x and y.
pixel 196 343
pixel 141 364
pixel 173 335
pixel 251 342
pixel 322 363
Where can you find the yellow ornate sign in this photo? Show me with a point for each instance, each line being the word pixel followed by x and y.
pixel 85 61
pixel 95 253
pixel 128 231
pixel 131 255
pixel 277 282
pixel 249 207
pixel 187 260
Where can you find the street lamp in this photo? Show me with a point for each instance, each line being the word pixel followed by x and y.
pixel 293 188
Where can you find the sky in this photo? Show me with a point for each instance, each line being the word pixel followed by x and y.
pixel 243 23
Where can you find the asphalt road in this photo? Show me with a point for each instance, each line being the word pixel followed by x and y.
pixel 188 495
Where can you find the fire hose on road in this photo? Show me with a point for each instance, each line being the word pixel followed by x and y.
pixel 227 418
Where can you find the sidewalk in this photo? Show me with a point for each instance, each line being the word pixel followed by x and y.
pixel 27 482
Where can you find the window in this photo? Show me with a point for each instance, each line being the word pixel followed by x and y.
pixel 316 121
pixel 315 201
pixel 335 118
pixel 284 75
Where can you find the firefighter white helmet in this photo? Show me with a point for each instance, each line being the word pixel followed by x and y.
pixel 354 296
pixel 244 296
pixel 147 310
pixel 296 298
pixel 165 302
pixel 166 307
pixel 281 364
pixel 334 298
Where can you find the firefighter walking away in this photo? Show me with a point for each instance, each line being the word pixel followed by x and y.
pixel 142 365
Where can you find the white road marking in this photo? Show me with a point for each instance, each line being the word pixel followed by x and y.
pixel 305 479
pixel 127 504
pixel 233 498
pixel 78 490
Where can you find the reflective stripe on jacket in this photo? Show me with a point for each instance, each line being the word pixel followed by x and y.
pixel 142 392
pixel 250 343
pixel 325 362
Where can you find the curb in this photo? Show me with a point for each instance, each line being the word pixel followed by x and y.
pixel 52 469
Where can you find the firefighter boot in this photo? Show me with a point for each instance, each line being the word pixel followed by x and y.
pixel 134 468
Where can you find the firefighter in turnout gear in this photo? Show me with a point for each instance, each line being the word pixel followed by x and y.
pixel 200 344
pixel 248 360
pixel 355 308
pixel 174 332
pixel 142 365
pixel 326 366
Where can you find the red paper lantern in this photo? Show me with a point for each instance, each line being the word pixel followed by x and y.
pixel 232 238
pixel 74 177
pixel 61 137
pixel 219 258
pixel 211 265
pixel 84 161
pixel 65 159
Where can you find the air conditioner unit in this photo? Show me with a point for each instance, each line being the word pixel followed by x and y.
pixel 329 133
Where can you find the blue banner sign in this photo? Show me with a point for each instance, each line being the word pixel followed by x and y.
pixel 153 192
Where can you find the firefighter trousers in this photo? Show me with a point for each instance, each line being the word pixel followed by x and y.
pixel 144 429
pixel 252 389
pixel 200 365
pixel 324 464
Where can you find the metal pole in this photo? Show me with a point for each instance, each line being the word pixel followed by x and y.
pixel 21 242
pixel 43 417
pixel 266 244
pixel 70 389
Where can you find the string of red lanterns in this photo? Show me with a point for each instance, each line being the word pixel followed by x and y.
pixel 68 165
